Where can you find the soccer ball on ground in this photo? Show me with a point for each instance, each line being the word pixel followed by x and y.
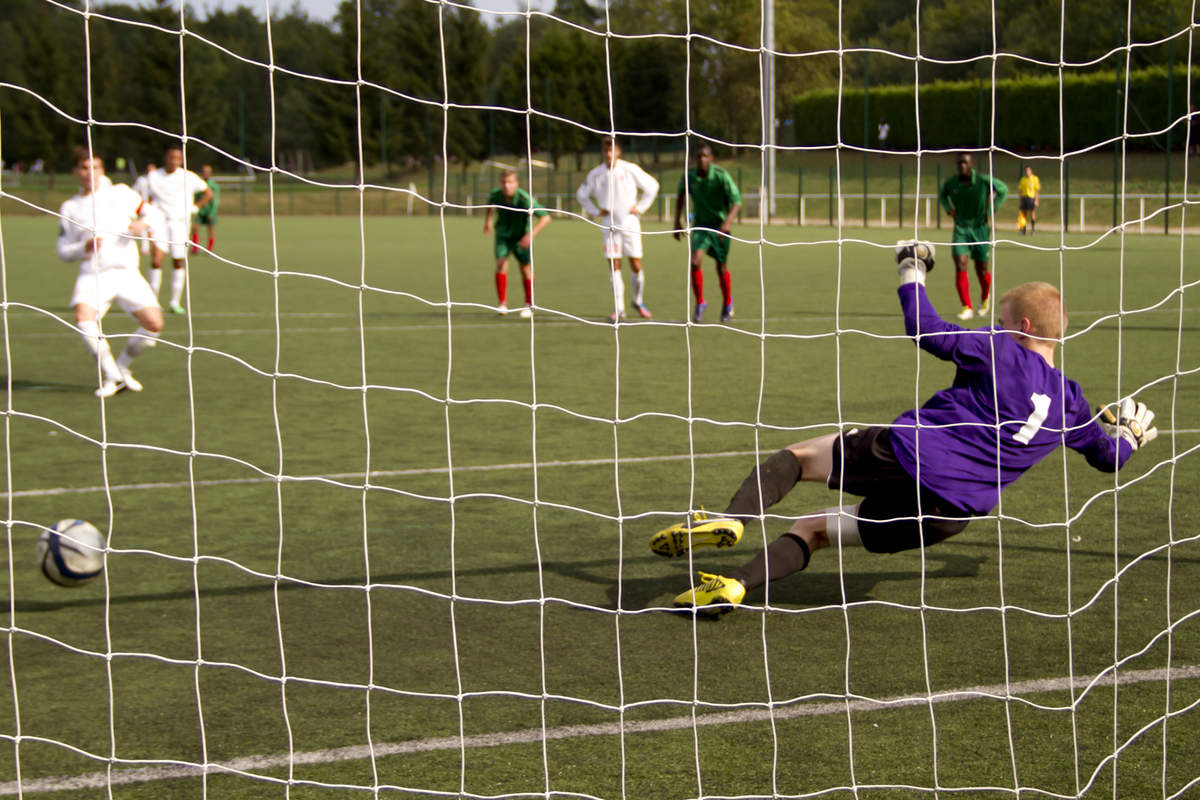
pixel 71 552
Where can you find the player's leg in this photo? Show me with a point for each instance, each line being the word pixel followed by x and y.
pixel 962 282
pixel 767 484
pixel 527 284
pixel 87 320
pixel 157 255
pixel 613 252
pixel 178 284
pixel 631 246
pixel 194 235
pixel 212 233
pixel 700 243
pixel 501 276
pixel 981 254
pixel 137 300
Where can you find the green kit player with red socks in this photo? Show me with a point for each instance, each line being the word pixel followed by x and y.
pixel 715 202
pixel 971 198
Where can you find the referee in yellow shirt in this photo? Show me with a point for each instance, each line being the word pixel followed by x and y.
pixel 1029 187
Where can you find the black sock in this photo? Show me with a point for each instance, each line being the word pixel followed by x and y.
pixel 764 486
pixel 787 554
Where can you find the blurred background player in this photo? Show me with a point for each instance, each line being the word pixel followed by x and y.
pixel 513 205
pixel 142 186
pixel 207 215
pixel 715 203
pixel 970 198
pixel 1028 189
pixel 618 192
pixel 916 495
pixel 172 192
pixel 99 227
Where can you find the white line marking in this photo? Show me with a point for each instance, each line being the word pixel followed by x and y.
pixel 381 473
pixel 246 766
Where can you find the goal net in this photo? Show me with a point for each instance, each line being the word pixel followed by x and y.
pixel 365 535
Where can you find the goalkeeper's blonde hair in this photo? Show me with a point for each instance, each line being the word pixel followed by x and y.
pixel 1041 303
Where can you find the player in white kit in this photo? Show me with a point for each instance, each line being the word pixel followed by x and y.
pixel 99 227
pixel 173 191
pixel 618 192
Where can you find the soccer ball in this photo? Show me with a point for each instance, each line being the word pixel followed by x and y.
pixel 71 553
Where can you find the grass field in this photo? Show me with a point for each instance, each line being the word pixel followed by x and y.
pixel 368 537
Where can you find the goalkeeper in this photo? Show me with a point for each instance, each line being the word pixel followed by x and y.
pixel 916 494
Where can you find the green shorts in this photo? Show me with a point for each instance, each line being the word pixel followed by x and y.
pixel 506 246
pixel 715 242
pixel 206 217
pixel 972 240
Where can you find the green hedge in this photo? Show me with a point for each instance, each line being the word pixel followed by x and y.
pixel 1026 112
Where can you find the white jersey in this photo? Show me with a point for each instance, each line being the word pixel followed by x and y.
pixel 107 213
pixel 617 190
pixel 174 193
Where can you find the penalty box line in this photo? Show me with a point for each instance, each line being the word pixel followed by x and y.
pixel 381 473
pixel 246 766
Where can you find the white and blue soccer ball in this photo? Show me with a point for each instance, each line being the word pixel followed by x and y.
pixel 71 552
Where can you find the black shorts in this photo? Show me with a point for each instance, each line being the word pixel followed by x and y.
pixel 888 515
pixel 1026 204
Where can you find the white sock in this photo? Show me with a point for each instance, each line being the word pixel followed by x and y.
pixel 97 345
pixel 618 290
pixel 638 282
pixel 178 276
pixel 155 280
pixel 141 341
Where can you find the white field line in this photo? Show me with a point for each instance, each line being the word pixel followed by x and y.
pixel 249 764
pixel 380 473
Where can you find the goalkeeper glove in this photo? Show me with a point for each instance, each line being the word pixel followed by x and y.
pixel 1133 422
pixel 913 260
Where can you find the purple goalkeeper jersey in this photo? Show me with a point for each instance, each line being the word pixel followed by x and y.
pixel 1006 411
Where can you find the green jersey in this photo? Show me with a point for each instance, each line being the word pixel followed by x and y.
pixel 512 217
pixel 712 195
pixel 971 200
pixel 210 207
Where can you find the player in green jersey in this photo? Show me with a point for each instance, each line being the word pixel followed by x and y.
pixel 512 205
pixel 970 198
pixel 207 215
pixel 715 202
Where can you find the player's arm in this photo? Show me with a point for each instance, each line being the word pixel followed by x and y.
pixel 487 220
pixel 921 319
pixel 680 200
pixel 542 220
pixel 584 195
pixel 648 186
pixel 1109 438
pixel 735 204
pixel 1000 188
pixel 74 243
pixel 944 199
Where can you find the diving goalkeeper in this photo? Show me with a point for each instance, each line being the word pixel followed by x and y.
pixel 918 493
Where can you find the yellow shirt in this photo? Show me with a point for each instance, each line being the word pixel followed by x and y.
pixel 1029 186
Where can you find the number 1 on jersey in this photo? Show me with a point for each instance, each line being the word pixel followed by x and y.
pixel 1041 409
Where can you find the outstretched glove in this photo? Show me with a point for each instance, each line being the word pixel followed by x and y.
pixel 1132 421
pixel 913 260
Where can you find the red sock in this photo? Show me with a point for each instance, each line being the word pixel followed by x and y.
pixel 502 287
pixel 963 284
pixel 528 283
pixel 985 280
pixel 726 287
pixel 195 238
pixel 698 285
pixel 210 243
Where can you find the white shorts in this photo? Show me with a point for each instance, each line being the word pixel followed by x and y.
pixel 170 236
pixel 625 240
pixel 126 287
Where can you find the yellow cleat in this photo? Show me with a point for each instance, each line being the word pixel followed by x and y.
pixel 699 530
pixel 714 596
pixel 983 309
